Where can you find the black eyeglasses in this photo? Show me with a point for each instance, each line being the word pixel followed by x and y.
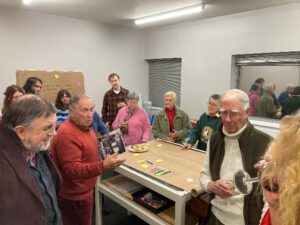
pixel 271 185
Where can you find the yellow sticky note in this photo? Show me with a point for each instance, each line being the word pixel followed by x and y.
pixel 144 165
pixel 159 160
pixel 159 145
pixel 136 155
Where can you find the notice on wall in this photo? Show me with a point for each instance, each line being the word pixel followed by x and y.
pixel 53 81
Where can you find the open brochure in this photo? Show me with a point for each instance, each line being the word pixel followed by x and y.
pixel 111 143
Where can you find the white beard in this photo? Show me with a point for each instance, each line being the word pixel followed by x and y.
pixel 35 148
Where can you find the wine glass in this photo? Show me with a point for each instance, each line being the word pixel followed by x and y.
pixel 243 181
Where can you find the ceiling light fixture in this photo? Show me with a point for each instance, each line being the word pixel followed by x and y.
pixel 26 2
pixel 170 14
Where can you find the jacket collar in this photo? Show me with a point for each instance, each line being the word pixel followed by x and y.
pixel 177 112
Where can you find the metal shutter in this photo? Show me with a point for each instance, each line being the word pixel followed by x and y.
pixel 164 75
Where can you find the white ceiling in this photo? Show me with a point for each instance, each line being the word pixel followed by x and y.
pixel 123 12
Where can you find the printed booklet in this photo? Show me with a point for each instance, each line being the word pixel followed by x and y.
pixel 111 143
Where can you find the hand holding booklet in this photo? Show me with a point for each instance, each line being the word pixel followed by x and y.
pixel 111 143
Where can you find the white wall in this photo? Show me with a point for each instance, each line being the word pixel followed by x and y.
pixel 206 47
pixel 30 40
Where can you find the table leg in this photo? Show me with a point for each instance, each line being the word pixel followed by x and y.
pixel 98 206
pixel 180 212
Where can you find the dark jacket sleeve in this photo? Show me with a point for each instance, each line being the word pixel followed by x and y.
pixel 195 132
pixel 104 110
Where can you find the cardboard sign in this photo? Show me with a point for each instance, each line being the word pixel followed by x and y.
pixel 53 81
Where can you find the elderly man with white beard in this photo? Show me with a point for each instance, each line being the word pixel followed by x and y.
pixel 29 178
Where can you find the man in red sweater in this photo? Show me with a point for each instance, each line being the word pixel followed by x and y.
pixel 75 152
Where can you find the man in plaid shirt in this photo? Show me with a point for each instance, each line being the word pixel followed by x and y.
pixel 113 100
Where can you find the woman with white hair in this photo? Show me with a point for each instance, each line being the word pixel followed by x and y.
pixel 171 123
pixel 133 121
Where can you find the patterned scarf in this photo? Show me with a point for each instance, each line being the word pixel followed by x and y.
pixel 130 112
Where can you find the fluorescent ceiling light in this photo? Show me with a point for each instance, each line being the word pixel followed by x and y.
pixel 170 14
pixel 26 2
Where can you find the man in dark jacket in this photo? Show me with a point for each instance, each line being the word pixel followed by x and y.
pixel 29 179
pixel 292 104
pixel 237 145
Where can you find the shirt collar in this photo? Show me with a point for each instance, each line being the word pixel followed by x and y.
pixel 117 92
pixel 81 127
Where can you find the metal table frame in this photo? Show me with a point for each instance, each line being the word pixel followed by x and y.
pixel 180 197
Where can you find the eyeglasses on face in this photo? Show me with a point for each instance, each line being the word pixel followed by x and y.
pixel 271 185
pixel 267 176
pixel 232 114
pixel 212 104
pixel 48 130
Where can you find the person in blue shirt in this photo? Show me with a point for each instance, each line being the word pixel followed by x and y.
pixel 98 126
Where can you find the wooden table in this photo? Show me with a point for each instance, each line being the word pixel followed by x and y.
pixel 185 167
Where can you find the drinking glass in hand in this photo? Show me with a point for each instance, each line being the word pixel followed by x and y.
pixel 230 185
pixel 231 188
pixel 244 183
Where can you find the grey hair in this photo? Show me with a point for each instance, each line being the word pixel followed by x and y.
pixel 133 95
pixel 75 99
pixel 239 95
pixel 172 94
pixel 25 110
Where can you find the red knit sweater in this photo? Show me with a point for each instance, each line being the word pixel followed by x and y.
pixel 75 153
